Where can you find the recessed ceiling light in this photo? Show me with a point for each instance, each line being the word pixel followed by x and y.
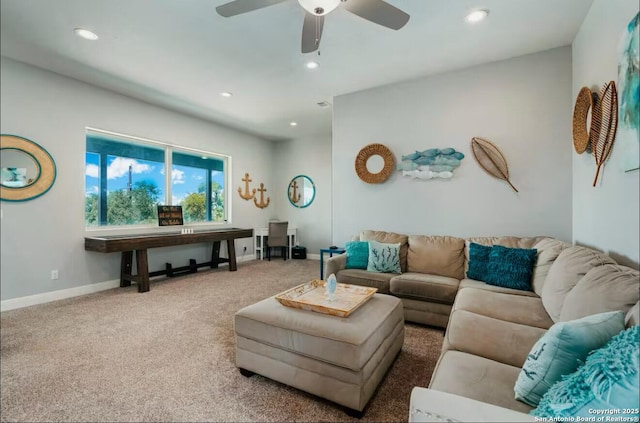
pixel 476 16
pixel 86 34
pixel 312 65
pixel 226 94
pixel 293 123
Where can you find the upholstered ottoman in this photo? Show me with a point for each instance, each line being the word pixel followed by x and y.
pixel 340 359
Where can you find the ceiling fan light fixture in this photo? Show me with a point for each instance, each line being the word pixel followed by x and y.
pixel 477 16
pixel 319 7
pixel 86 34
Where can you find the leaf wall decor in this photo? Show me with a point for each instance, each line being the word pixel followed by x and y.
pixel 490 159
pixel 605 125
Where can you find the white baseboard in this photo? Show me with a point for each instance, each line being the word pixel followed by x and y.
pixel 61 294
pixel 47 297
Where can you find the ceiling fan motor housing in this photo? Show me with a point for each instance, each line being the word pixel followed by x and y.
pixel 319 7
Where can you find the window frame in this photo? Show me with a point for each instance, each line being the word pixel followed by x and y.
pixel 169 149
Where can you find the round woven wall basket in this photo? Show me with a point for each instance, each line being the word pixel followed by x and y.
pixel 365 154
pixel 584 103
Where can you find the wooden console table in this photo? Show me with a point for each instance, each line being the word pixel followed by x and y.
pixel 127 244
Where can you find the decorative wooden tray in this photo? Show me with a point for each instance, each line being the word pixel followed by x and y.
pixel 312 296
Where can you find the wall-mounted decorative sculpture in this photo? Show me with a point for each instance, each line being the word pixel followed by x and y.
pixel 581 128
pixel 604 125
pixel 431 163
pixel 262 204
pixel 365 154
pixel 490 159
pixel 246 195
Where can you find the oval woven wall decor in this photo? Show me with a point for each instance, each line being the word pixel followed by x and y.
pixel 584 103
pixel 366 153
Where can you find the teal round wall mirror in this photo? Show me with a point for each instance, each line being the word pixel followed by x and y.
pixel 26 169
pixel 301 191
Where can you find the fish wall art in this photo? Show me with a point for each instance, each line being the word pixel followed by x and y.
pixel 431 164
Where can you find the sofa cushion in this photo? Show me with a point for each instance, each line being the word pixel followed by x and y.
pixel 420 286
pixel 357 254
pixel 384 258
pixel 477 378
pixel 570 266
pixel 505 241
pixel 548 251
pixel 364 278
pixel 436 255
pixel 604 288
pixel 561 350
pixel 511 267
pixel 607 382
pixel 478 261
pixel 389 238
pixel 495 339
pixel 633 316
pixel 470 283
pixel 521 309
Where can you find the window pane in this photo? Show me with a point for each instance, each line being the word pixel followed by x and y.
pixel 124 182
pixel 197 184
pixel 217 196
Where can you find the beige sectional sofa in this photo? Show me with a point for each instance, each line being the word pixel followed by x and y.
pixel 489 329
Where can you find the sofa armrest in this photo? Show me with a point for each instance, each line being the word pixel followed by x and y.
pixel 428 405
pixel 334 264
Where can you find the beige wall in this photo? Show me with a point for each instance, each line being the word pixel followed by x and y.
pixel 48 232
pixel 521 104
pixel 607 216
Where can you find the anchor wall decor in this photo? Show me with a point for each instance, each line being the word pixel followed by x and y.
pixel 295 196
pixel 262 203
pixel 247 196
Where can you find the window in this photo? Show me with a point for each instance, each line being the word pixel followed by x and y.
pixel 126 179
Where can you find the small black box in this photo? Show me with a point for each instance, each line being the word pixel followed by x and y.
pixel 299 253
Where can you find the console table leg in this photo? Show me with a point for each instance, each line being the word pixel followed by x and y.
pixel 231 250
pixel 125 268
pixel 143 270
pixel 215 254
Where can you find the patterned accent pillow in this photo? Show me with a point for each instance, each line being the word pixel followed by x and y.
pixel 608 381
pixel 478 262
pixel 561 350
pixel 357 254
pixel 511 267
pixel 383 258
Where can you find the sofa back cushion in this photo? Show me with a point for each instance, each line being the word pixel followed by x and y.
pixel 633 316
pixel 436 255
pixel 604 288
pixel 548 251
pixel 565 272
pixel 389 238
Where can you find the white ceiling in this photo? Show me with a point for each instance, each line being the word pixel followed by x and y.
pixel 181 54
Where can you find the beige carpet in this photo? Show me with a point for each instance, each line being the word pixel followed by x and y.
pixel 168 355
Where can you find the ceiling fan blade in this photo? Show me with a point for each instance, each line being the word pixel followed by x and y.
pixel 311 32
pixel 238 7
pixel 378 11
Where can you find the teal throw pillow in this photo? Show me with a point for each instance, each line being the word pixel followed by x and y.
pixel 357 254
pixel 478 261
pixel 608 383
pixel 511 267
pixel 561 350
pixel 383 258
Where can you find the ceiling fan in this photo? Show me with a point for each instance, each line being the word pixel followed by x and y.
pixel 377 11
